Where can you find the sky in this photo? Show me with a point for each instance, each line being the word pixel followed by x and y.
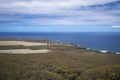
pixel 59 15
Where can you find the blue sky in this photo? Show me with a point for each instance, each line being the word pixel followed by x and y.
pixel 59 15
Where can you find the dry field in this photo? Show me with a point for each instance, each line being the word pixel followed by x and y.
pixel 22 43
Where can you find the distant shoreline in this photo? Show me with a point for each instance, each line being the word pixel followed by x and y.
pixel 101 51
pixel 109 41
pixel 34 40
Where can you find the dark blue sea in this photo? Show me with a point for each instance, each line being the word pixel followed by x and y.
pixel 109 41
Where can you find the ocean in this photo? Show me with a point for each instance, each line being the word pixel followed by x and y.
pixel 109 41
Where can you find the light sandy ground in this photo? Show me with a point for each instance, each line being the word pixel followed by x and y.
pixel 23 43
pixel 24 51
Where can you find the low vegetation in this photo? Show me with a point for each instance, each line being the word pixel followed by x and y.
pixel 62 63
pixel 108 72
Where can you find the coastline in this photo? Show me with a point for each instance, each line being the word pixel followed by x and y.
pixel 54 42
pixel 100 51
pixel 96 41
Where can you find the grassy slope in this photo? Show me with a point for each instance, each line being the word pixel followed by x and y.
pixel 62 63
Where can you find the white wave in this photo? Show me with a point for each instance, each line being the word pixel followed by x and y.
pixel 103 51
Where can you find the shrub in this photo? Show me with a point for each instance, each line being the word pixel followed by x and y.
pixel 12 71
pixel 61 70
pixel 109 72
pixel 51 76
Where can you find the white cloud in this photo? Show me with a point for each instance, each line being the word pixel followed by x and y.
pixel 117 27
pixel 47 6
pixel 87 17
